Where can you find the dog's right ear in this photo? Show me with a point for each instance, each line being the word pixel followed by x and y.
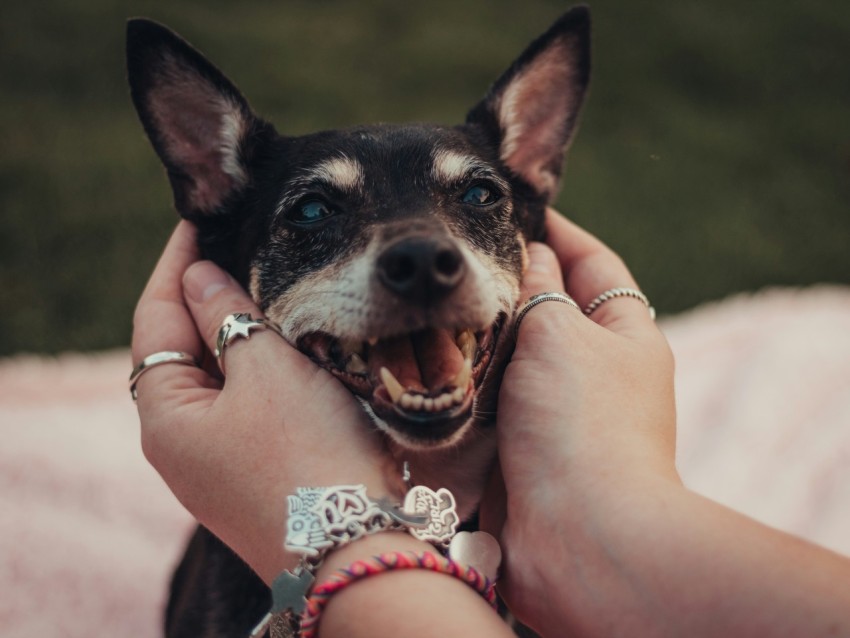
pixel 197 120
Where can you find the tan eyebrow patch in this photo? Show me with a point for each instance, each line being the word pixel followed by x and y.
pixel 343 173
pixel 451 166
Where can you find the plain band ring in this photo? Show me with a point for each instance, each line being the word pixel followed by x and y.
pixel 157 359
pixel 613 293
pixel 539 299
pixel 237 326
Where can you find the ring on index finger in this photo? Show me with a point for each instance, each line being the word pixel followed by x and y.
pixel 539 299
pixel 237 326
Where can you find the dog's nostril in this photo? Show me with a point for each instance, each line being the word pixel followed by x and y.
pixel 400 268
pixel 448 262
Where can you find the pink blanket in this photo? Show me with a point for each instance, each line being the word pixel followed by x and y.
pixel 89 533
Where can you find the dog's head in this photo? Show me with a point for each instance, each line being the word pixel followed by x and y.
pixel 391 255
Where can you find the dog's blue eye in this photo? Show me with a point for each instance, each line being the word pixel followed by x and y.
pixel 310 212
pixel 479 196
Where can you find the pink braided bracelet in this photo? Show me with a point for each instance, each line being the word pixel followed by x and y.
pixel 390 561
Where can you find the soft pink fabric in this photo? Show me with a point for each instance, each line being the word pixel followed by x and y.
pixel 89 533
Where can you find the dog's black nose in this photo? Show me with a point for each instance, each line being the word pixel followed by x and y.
pixel 421 270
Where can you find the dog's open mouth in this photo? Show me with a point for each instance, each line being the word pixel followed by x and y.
pixel 422 384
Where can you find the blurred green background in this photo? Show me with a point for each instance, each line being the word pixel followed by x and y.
pixel 714 152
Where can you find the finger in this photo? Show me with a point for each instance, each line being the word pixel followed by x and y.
pixel 590 268
pixel 163 322
pixel 211 295
pixel 543 275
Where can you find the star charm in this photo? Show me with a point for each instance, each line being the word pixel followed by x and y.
pixel 234 326
pixel 289 591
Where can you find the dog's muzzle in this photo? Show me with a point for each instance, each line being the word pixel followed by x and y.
pixel 421 382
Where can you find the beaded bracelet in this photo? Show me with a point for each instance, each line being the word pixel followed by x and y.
pixel 389 561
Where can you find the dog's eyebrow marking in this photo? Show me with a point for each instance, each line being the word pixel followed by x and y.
pixel 342 173
pixel 451 167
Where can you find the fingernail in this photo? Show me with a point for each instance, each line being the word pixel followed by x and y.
pixel 539 258
pixel 204 279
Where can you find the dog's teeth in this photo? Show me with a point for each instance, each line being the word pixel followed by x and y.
pixel 465 374
pixel 418 402
pixel 356 365
pixel 467 343
pixel 392 384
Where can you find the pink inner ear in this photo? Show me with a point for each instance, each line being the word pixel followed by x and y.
pixel 534 112
pixel 201 130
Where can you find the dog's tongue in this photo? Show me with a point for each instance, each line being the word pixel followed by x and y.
pixel 425 361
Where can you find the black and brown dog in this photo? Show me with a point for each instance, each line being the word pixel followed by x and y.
pixel 389 254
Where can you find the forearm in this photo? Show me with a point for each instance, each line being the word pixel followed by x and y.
pixel 413 602
pixel 655 559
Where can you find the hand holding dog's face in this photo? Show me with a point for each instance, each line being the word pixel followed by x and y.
pixel 232 455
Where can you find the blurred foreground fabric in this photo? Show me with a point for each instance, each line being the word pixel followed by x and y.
pixel 89 533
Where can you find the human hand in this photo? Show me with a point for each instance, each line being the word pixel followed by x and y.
pixel 586 408
pixel 232 452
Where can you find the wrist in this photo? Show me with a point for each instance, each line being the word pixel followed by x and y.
pixel 573 543
pixel 368 546
pixel 429 596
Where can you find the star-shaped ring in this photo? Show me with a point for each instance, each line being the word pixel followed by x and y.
pixel 237 326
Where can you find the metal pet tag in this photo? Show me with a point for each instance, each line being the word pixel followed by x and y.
pixel 439 507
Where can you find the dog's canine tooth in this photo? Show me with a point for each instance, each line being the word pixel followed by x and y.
pixel 467 343
pixel 356 365
pixel 465 374
pixel 392 384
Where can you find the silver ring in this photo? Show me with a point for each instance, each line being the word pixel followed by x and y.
pixel 157 359
pixel 613 293
pixel 237 326
pixel 538 299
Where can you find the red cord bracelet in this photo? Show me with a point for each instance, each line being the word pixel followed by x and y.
pixel 322 593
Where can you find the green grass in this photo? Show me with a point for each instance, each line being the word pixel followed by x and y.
pixel 714 153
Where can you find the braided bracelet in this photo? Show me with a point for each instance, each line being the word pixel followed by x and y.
pixel 390 561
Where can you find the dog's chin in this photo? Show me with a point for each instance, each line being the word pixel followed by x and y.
pixel 421 388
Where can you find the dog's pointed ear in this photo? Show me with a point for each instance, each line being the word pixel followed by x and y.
pixel 532 110
pixel 197 120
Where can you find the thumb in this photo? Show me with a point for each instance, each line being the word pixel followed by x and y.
pixel 211 295
pixel 543 273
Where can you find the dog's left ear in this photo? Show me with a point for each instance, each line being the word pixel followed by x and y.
pixel 531 111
